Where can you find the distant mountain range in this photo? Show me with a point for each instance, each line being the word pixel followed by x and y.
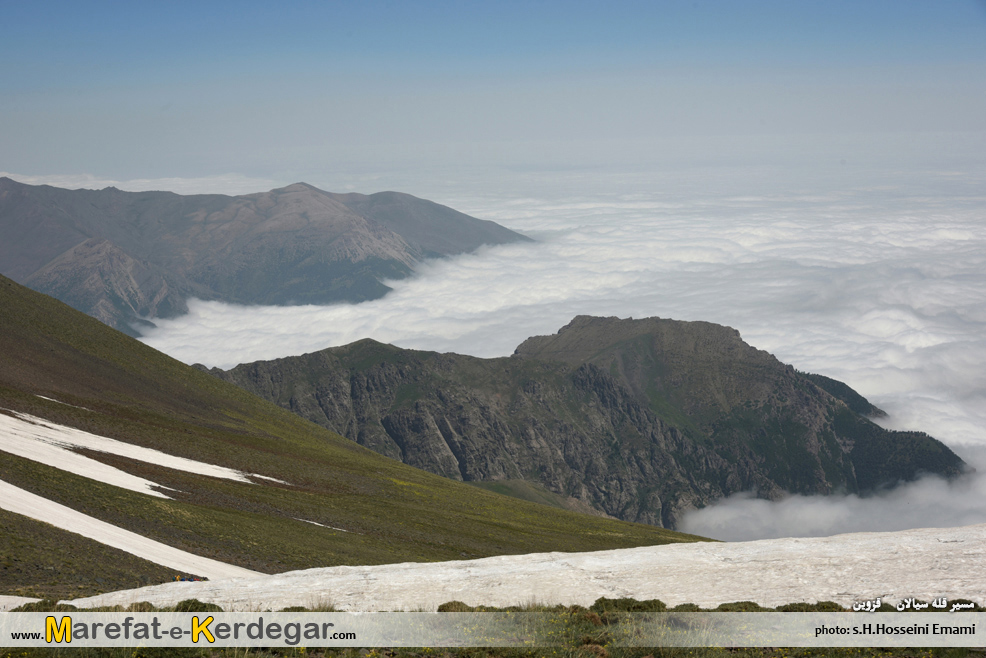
pixel 122 257
pixel 636 419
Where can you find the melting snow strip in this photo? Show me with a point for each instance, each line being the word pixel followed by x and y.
pixel 51 444
pixel 20 438
pixel 269 479
pixel 322 525
pixel 60 402
pixel 17 500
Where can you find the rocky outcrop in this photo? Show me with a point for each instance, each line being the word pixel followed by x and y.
pixel 98 276
pixel 640 419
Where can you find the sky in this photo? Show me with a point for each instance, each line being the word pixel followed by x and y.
pixel 813 174
pixel 321 91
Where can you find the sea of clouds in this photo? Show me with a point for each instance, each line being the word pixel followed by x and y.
pixel 876 277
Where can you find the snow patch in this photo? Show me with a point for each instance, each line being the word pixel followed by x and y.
pixel 269 479
pixel 11 602
pixel 322 525
pixel 16 500
pixel 924 563
pixel 35 442
pixel 65 403
pixel 53 445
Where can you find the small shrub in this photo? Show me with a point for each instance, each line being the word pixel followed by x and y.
pixel 741 606
pixel 603 604
pixel 593 651
pixel 821 606
pixel 319 604
pixel 591 617
pixel 194 605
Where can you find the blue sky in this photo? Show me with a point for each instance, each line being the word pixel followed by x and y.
pixel 122 89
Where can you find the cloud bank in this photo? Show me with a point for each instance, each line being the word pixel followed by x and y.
pixel 930 502
pixel 871 277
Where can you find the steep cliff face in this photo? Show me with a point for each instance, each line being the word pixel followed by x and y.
pixel 639 419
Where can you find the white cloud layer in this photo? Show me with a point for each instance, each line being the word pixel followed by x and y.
pixel 872 277
pixel 930 502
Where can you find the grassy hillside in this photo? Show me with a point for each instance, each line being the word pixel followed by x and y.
pixel 110 384
pixel 40 560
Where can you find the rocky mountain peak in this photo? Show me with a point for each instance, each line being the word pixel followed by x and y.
pixel 638 419
pixel 292 245
pixel 297 187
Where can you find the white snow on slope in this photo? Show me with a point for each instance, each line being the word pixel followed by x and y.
pixel 20 437
pixel 11 602
pixel 322 525
pixel 51 444
pixel 924 563
pixel 65 403
pixel 16 500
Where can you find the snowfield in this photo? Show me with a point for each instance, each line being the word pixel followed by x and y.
pixel 16 500
pixel 11 602
pixel 926 563
pixel 51 444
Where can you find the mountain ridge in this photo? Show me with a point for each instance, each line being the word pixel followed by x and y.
pixel 126 256
pixel 640 419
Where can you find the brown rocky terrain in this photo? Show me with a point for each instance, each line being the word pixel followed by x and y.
pixel 637 419
pixel 124 257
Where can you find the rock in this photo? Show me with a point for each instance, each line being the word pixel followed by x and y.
pixel 641 420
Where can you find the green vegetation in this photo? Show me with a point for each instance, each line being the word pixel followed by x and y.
pixel 530 491
pixel 110 384
pixel 37 560
pixel 843 392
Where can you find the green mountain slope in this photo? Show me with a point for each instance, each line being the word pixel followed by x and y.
pixel 379 510
pixel 40 560
pixel 638 419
